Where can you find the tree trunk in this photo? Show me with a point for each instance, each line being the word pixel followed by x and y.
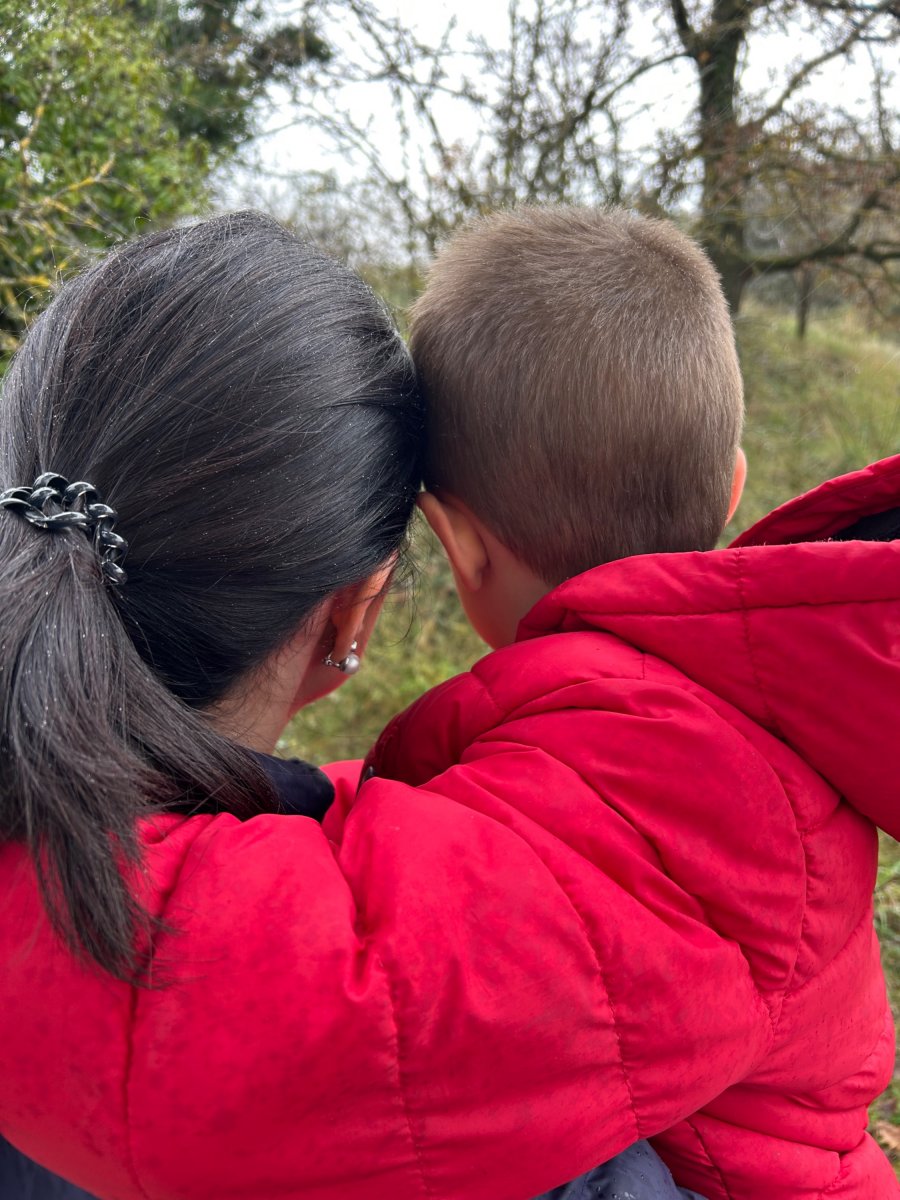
pixel 723 228
pixel 805 279
pixel 732 271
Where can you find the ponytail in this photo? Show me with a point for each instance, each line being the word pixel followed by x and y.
pixel 91 742
pixel 247 407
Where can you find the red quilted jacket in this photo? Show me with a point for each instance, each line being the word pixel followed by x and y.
pixel 614 882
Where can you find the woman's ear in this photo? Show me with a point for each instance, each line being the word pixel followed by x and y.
pixel 297 672
pixel 737 483
pixel 355 611
pixel 459 532
pixel 344 627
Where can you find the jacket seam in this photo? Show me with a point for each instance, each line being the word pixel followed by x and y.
pixel 804 924
pixel 886 1032
pixel 606 991
pixel 745 624
pixel 864 920
pixel 843 1171
pixel 766 1009
pixel 134 1002
pixel 709 1158
pixel 804 835
pixel 682 615
pixel 401 1077
pixel 817 826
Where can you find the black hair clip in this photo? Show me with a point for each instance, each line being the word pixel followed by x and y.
pixel 82 508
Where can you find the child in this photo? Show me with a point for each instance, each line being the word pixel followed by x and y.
pixel 712 732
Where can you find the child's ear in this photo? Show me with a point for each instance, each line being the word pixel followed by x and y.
pixel 737 483
pixel 459 532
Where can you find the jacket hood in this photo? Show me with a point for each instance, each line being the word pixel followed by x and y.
pixel 799 631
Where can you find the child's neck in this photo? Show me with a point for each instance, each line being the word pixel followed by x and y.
pixel 509 590
pixel 496 588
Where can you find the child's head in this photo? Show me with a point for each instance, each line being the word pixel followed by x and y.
pixel 583 388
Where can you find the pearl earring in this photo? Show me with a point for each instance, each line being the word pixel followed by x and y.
pixel 347 666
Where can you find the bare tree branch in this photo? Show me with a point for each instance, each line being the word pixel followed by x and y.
pixel 803 73
pixel 777 184
pixel 683 27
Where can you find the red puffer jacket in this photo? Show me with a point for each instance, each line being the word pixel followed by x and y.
pixel 696 747
pixel 629 893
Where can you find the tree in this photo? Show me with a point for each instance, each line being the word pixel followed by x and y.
pixel 737 136
pixel 534 100
pixel 796 213
pixel 225 56
pixel 556 108
pixel 85 147
pixel 113 114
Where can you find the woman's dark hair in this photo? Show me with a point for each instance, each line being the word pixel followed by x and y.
pixel 247 407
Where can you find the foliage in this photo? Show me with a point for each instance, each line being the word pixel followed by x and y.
pixel 225 55
pixel 86 150
pixel 112 114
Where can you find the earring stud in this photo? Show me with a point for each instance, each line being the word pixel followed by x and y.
pixel 347 666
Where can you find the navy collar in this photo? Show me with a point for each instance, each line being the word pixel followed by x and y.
pixel 301 787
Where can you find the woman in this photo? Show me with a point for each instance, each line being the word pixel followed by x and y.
pixel 210 446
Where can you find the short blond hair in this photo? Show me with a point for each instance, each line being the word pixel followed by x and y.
pixel 583 390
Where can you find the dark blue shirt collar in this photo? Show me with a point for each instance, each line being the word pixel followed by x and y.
pixel 301 787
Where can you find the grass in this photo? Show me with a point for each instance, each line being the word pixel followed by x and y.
pixel 814 410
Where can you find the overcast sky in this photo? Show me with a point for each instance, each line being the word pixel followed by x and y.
pixel 665 96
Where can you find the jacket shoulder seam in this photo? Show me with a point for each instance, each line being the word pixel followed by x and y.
pixel 751 657
pixel 713 1164
pixel 402 1084
pixel 133 1005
